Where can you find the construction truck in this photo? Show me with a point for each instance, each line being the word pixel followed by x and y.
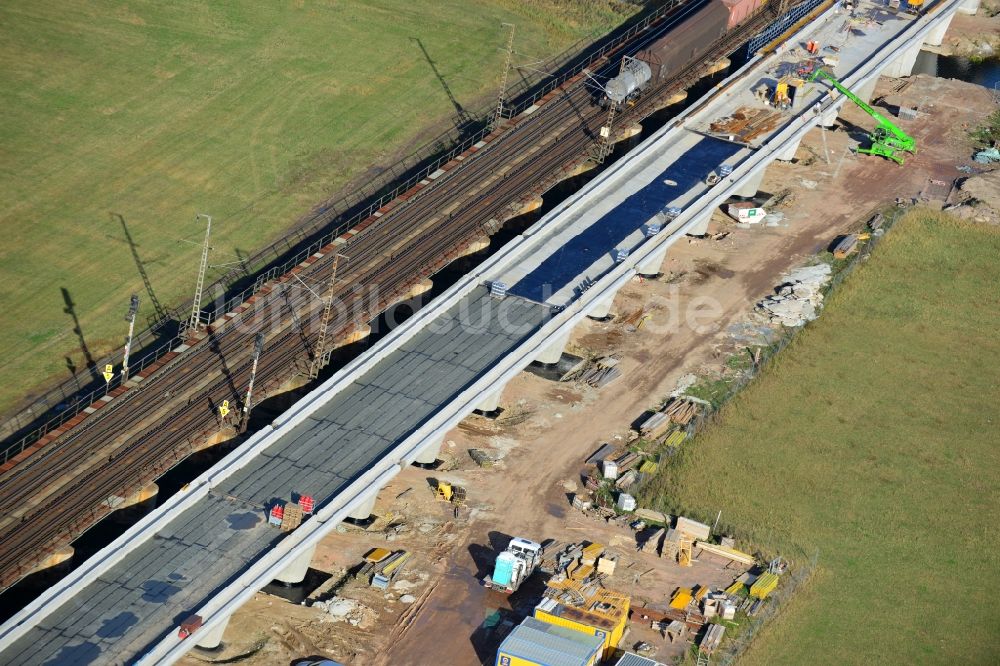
pixel 514 565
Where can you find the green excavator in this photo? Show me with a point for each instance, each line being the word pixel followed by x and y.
pixel 887 139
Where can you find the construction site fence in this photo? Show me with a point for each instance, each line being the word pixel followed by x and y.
pixel 760 542
pixel 330 220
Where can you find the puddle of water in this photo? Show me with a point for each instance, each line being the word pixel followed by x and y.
pixel 245 520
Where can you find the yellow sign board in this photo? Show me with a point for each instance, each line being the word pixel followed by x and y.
pixel 224 408
pixel 108 373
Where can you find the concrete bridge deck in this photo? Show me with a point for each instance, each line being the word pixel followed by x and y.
pixel 209 548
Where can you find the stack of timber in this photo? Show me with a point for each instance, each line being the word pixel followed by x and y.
pixel 713 637
pixel 680 410
pixel 746 124
pixel 600 373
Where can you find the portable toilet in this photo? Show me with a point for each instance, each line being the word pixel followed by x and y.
pixel 503 569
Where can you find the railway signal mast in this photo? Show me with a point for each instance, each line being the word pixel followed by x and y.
pixel 321 355
pixel 258 347
pixel 133 309
pixel 502 97
pixel 195 320
pixel 604 141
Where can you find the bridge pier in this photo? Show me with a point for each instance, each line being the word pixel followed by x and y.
pixel 145 496
pixel 787 154
pixel 427 456
pixel 212 638
pixel 903 65
pixel 59 556
pixel 749 187
pixel 490 402
pixel 829 117
pixel 969 7
pixel 419 289
pixel 602 308
pixel 530 206
pixel 700 228
pixel 936 35
pixel 553 352
pixel 650 267
pixel 364 510
pixel 295 572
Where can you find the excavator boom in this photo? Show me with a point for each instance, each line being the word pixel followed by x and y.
pixel 887 137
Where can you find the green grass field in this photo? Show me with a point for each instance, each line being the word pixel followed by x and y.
pixel 250 111
pixel 874 439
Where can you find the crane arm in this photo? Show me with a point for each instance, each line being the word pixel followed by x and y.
pixel 883 122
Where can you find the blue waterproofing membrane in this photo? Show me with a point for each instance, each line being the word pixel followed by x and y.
pixel 604 235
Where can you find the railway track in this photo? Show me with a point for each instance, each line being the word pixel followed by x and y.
pixel 152 427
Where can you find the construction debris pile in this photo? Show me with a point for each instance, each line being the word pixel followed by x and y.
pixel 978 198
pixel 798 298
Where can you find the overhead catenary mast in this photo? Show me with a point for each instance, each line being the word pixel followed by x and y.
pixel 258 347
pixel 502 97
pixel 194 322
pixel 133 309
pixel 321 355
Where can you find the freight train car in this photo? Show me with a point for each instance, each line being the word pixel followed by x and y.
pixel 685 43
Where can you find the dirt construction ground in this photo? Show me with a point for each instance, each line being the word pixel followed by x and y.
pixel 436 612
